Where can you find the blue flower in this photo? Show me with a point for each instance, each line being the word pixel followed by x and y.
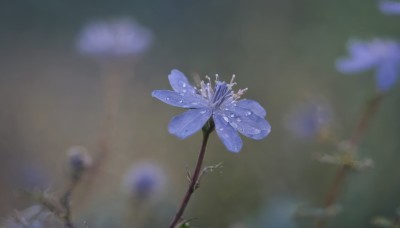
pixel 389 7
pixel 382 55
pixel 229 114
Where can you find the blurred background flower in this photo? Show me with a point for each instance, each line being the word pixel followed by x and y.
pixel 145 180
pixel 30 177
pixel 381 55
pixel 389 7
pixel 309 118
pixel 114 37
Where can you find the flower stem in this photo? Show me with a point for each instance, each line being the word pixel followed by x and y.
pixel 193 185
pixel 341 174
pixel 369 112
pixel 66 203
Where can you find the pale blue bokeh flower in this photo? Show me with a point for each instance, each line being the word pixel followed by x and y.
pixel 229 114
pixel 389 7
pixel 30 177
pixel 117 37
pixel 145 180
pixel 310 118
pixel 379 54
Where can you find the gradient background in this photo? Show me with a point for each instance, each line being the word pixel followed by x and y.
pixel 52 97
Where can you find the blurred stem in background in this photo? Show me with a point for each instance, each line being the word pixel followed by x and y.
pixel 338 182
pixel 112 73
pixel 194 179
pixel 112 89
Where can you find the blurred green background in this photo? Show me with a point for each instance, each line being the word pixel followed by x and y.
pixel 284 51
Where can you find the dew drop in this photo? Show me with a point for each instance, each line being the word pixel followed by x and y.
pixel 247 113
pixel 226 118
pixel 168 98
pixel 232 115
pixel 238 120
pixel 195 103
pixel 184 91
pixel 202 112
pixel 221 129
pixel 181 101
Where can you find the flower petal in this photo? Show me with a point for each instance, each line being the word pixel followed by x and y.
pixel 247 122
pixel 386 75
pixel 179 100
pixel 187 123
pixel 180 83
pixel 252 105
pixel 361 58
pixel 229 137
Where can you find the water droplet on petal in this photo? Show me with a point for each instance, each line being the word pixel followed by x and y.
pixel 181 101
pixel 195 103
pixel 247 113
pixel 225 118
pixel 238 120
pixel 221 129
pixel 184 91
pixel 202 112
pixel 232 115
pixel 168 98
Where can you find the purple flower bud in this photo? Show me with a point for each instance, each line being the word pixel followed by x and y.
pixel 78 159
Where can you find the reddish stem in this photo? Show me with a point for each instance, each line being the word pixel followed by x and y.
pixel 358 133
pixel 193 181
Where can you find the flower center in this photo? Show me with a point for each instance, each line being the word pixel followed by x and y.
pixel 221 93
